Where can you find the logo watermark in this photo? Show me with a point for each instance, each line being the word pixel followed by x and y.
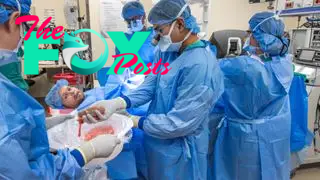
pixel 128 57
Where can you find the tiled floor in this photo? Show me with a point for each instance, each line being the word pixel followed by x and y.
pixel 308 174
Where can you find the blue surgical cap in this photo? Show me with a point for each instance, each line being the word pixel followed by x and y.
pixel 268 30
pixel 131 9
pixel 53 99
pixel 166 11
pixel 7 7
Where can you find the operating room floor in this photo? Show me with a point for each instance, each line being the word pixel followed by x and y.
pixel 308 174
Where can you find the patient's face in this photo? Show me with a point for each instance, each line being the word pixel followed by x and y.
pixel 71 97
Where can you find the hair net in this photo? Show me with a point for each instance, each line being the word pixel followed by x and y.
pixel 131 9
pixel 53 98
pixel 166 11
pixel 7 7
pixel 268 30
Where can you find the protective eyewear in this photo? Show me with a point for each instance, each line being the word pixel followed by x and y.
pixel 134 19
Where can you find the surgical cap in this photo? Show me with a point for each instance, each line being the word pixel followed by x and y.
pixel 268 30
pixel 131 9
pixel 53 99
pixel 7 7
pixel 166 11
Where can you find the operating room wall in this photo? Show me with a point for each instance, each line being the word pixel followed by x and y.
pixel 234 14
pixel 40 5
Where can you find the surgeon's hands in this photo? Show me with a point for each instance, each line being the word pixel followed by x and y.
pixel 110 107
pixel 135 120
pixel 100 147
pixel 53 121
pixel 123 112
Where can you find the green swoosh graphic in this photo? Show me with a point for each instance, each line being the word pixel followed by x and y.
pixel 85 67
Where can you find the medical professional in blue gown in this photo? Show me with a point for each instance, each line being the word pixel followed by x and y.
pixel 135 16
pixel 133 154
pixel 254 137
pixel 24 148
pixel 176 125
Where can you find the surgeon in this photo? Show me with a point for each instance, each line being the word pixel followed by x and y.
pixel 11 68
pixel 254 137
pixel 176 125
pixel 135 16
pixel 24 148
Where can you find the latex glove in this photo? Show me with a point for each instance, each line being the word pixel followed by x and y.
pixel 123 112
pixel 135 120
pixel 53 121
pixel 110 106
pixel 100 147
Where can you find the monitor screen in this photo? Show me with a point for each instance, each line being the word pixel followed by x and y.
pixel 307 55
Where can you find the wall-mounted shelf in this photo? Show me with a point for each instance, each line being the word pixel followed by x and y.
pixel 48 66
pixel 300 11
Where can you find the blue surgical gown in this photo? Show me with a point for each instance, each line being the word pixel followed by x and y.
pixel 24 147
pixel 254 137
pixel 216 116
pixel 176 125
pixel 301 137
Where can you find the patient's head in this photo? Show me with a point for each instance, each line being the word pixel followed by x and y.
pixel 63 96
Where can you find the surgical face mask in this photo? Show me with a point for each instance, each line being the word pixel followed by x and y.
pixel 20 40
pixel 166 44
pixel 248 48
pixel 20 53
pixel 10 67
pixel 136 26
pixel 21 31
